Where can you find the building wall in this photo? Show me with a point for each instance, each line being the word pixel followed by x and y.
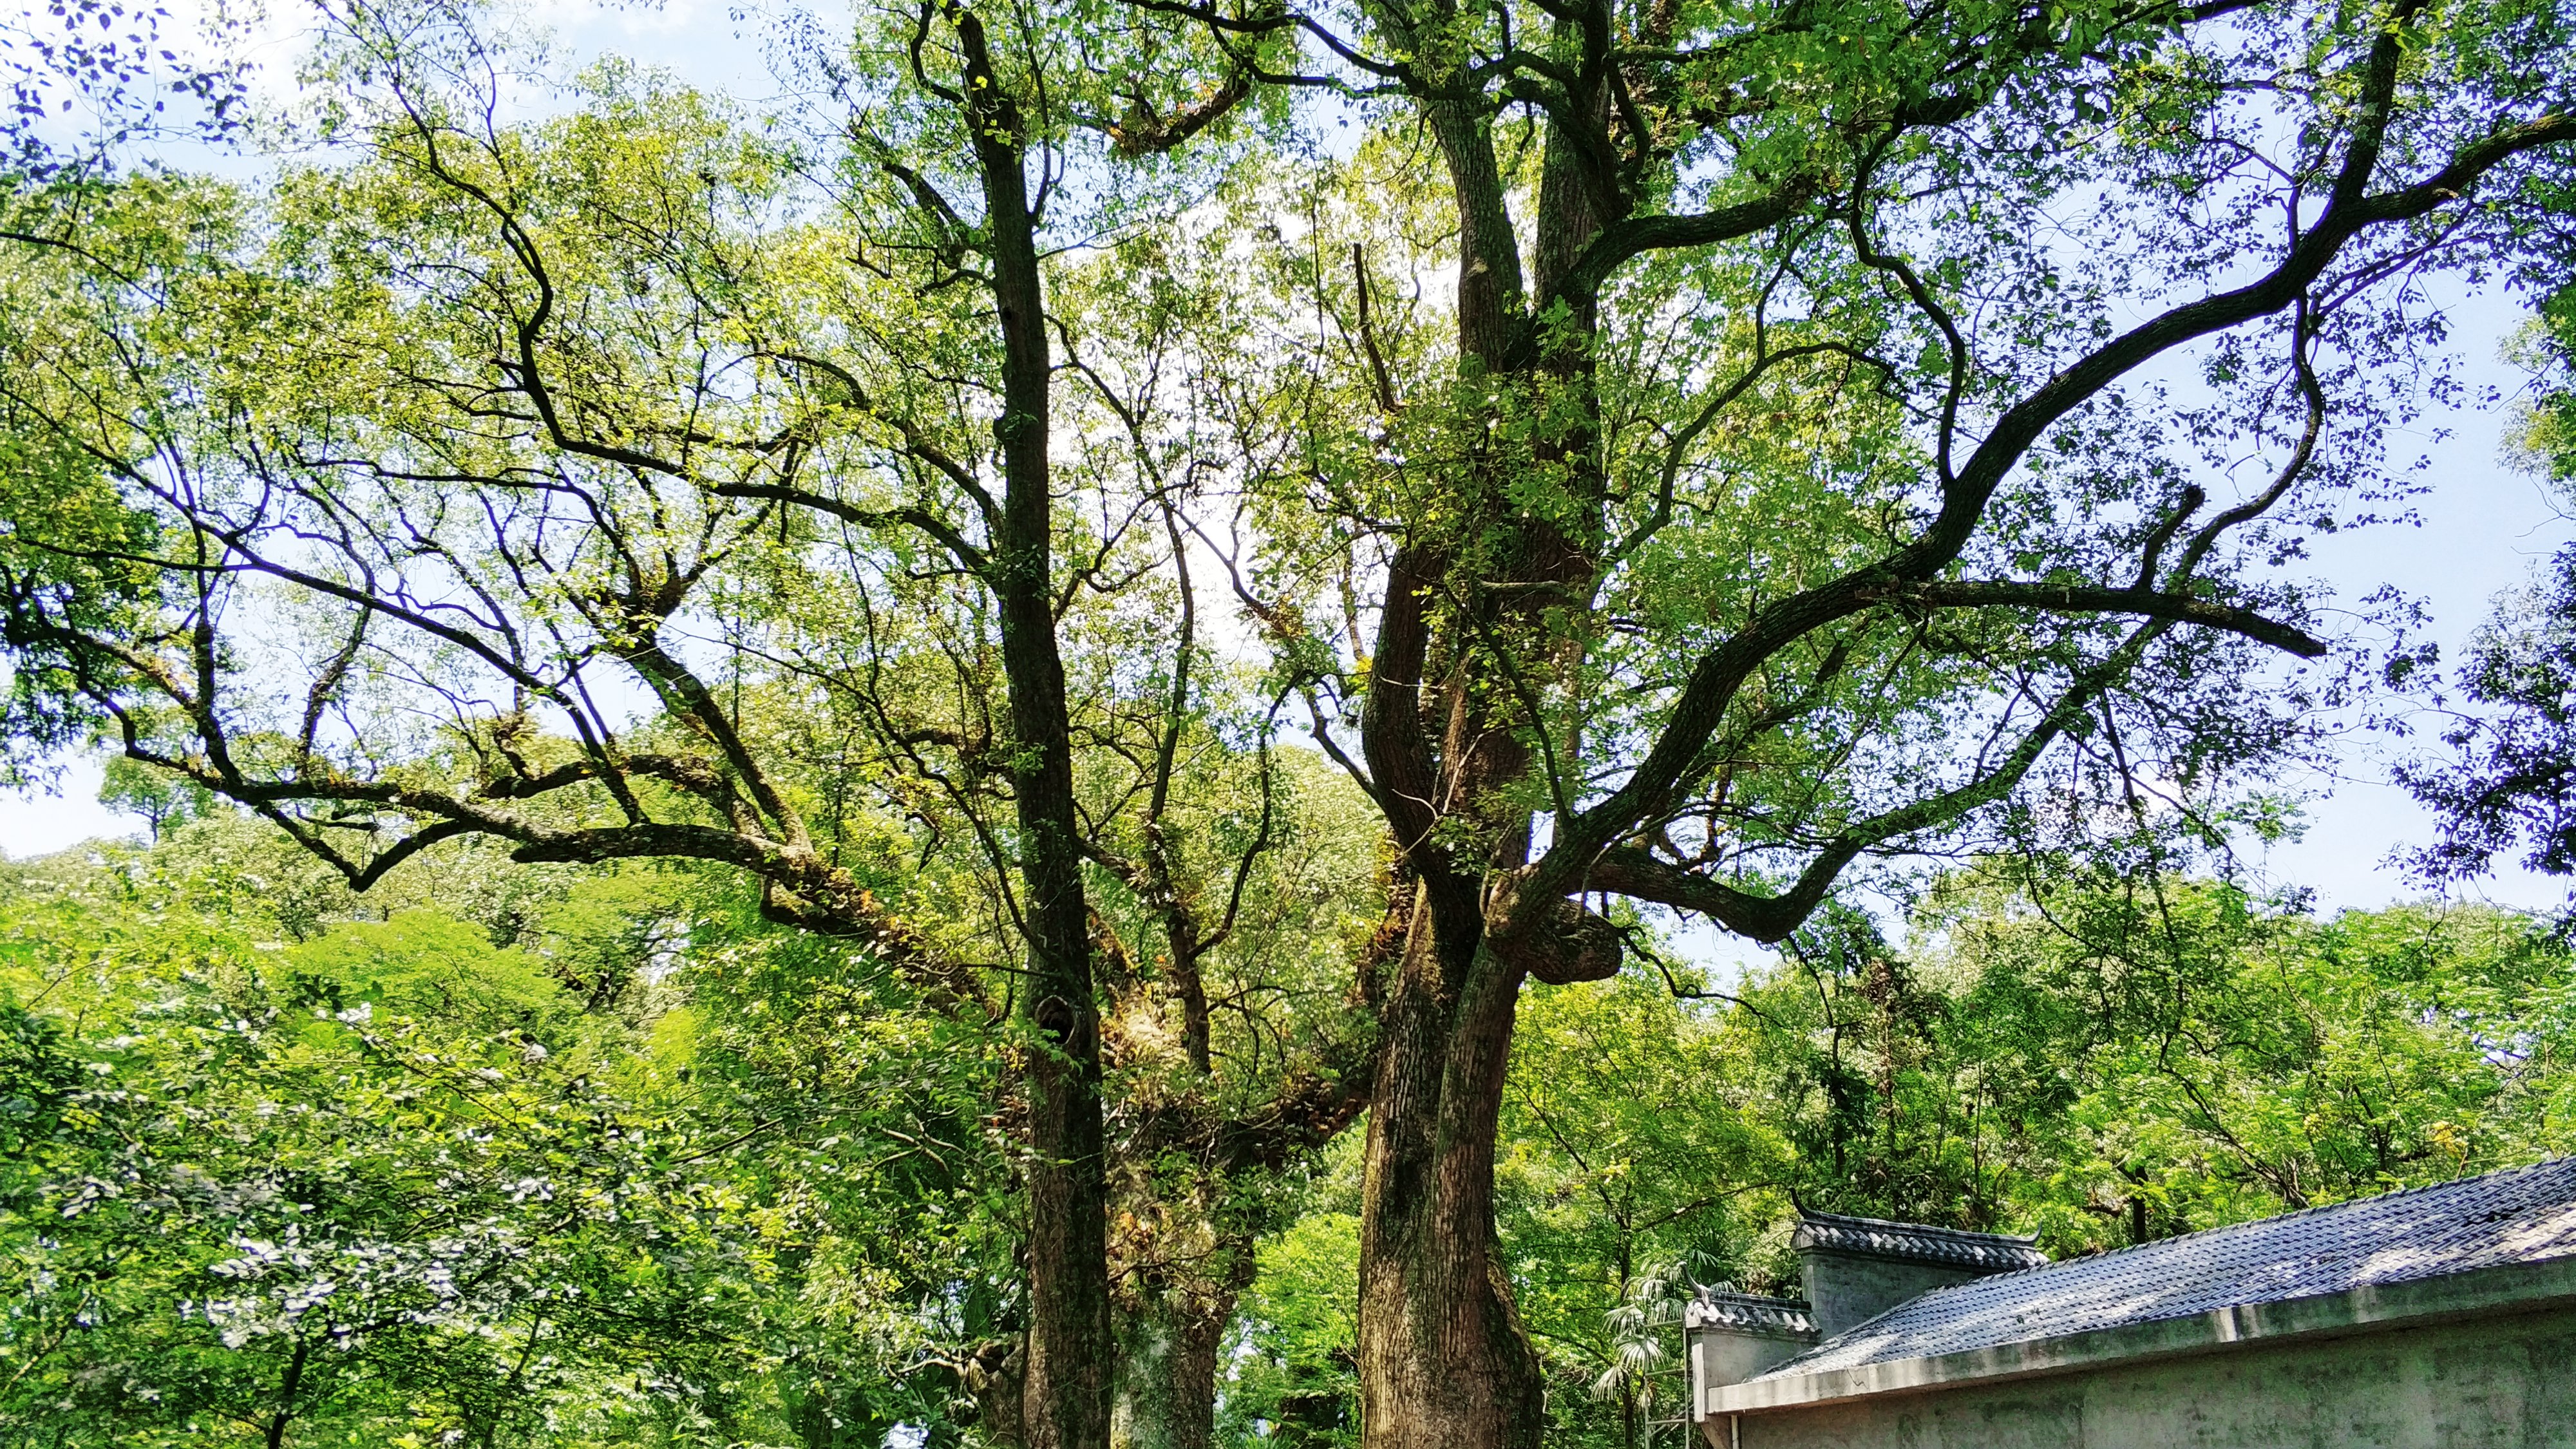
pixel 1845 1290
pixel 2506 1382
pixel 1726 1356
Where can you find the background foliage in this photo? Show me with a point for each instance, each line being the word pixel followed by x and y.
pixel 594 1157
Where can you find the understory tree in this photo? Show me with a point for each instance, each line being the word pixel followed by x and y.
pixel 386 1184
pixel 2105 1056
pixel 1638 1160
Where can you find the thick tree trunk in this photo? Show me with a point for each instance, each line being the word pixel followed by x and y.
pixel 1443 1361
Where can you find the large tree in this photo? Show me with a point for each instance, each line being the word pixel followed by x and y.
pixel 1817 453
pixel 630 485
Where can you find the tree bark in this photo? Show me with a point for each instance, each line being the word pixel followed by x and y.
pixel 1165 1396
pixel 992 1375
pixel 1443 1360
pixel 1065 1391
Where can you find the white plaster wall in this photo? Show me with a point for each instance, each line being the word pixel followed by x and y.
pixel 2506 1382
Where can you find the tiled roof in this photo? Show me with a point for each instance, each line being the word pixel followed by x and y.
pixel 1987 1252
pixel 2521 1215
pixel 1745 1313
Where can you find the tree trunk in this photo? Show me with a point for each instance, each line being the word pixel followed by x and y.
pixel 1166 1386
pixel 1443 1361
pixel 1066 1390
pixel 999 1388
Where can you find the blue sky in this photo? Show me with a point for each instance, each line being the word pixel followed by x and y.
pixel 2484 524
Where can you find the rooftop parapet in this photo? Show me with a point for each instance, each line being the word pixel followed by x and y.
pixel 1858 1268
pixel 1915 1243
pixel 1734 1336
pixel 1749 1313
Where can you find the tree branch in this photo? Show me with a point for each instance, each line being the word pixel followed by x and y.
pixel 2065 598
pixel 1625 240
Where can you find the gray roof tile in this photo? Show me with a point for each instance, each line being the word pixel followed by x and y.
pixel 1746 1313
pixel 1916 1242
pixel 2520 1215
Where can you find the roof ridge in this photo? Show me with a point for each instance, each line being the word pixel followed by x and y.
pixel 1710 1306
pixel 1813 1216
pixel 1714 1291
pixel 2295 1213
pixel 2476 1208
pixel 1914 1242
